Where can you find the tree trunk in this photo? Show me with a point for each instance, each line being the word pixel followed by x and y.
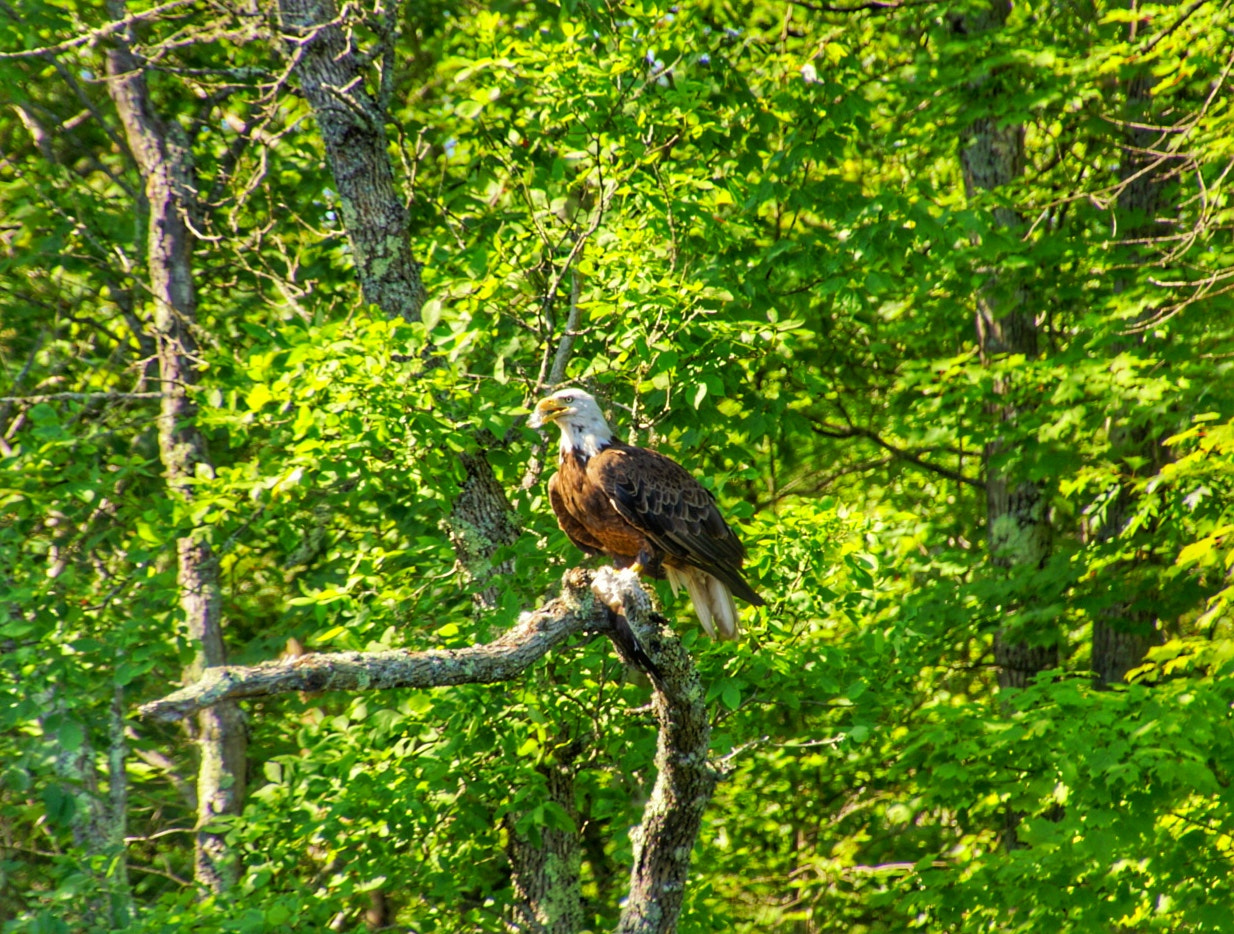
pixel 1017 527
pixel 482 521
pixel 546 873
pixel 98 824
pixel 1123 632
pixel 163 160
pixel 685 776
pixel 352 127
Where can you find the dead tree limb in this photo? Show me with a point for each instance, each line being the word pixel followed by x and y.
pixel 501 660
pixel 607 601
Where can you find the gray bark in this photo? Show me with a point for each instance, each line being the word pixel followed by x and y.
pixel 98 823
pixel 547 874
pixel 162 157
pixel 481 522
pixel 501 660
pixel 352 125
pixel 685 776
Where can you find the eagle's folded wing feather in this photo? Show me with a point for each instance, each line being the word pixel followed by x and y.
pixel 677 513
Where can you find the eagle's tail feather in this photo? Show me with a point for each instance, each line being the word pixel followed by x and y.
pixel 713 601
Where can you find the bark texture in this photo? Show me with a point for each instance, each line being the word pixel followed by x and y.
pixel 162 157
pixel 482 521
pixel 501 660
pixel 98 819
pixel 547 873
pixel 685 777
pixel 352 125
pixel 1017 526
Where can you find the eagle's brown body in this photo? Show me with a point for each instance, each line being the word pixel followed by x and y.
pixel 638 507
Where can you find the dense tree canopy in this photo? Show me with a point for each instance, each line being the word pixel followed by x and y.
pixel 935 297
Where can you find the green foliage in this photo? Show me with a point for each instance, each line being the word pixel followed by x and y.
pixel 755 227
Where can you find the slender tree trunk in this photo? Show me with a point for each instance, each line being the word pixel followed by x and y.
pixel 163 160
pixel 352 125
pixel 1124 631
pixel 1017 527
pixel 98 823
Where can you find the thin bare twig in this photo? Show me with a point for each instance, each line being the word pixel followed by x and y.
pixel 81 397
pixel 1166 33
pixel 853 431
pixel 94 35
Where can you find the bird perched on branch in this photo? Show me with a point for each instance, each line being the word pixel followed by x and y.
pixel 643 510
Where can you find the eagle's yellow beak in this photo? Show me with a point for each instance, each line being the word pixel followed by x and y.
pixel 546 411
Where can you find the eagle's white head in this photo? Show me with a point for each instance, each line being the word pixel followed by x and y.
pixel 578 415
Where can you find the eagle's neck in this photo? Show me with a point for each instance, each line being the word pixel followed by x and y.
pixel 586 440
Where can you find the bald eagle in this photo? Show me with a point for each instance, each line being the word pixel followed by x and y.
pixel 643 510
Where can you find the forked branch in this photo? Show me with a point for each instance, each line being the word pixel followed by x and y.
pixel 607 601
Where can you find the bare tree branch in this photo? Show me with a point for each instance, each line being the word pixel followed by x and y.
pixel 876 6
pixel 81 397
pixel 1170 30
pixel 94 35
pixel 568 334
pixel 608 601
pixel 506 658
pixel 853 431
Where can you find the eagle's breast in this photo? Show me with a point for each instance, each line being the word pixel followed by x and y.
pixel 588 504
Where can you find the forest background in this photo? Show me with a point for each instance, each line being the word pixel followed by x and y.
pixel 934 295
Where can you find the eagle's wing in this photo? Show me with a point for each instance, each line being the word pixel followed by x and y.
pixel 658 497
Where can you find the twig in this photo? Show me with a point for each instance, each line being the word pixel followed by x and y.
pixel 568 334
pixel 829 431
pixel 96 34
pixel 872 6
pixel 81 397
pixel 1165 34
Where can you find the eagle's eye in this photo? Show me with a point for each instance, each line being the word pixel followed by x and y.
pixel 568 400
